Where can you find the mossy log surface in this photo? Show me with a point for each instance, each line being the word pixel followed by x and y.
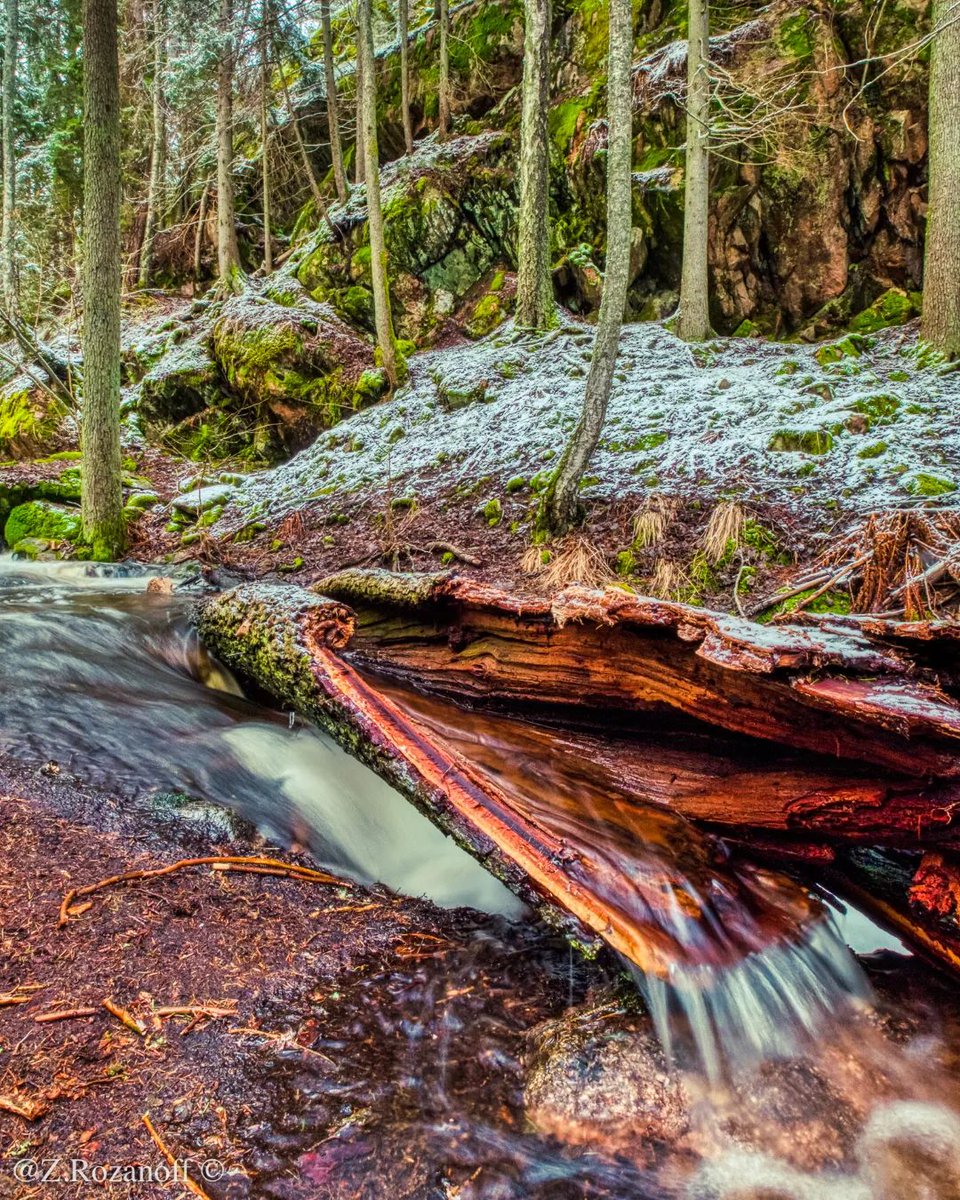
pixel 614 873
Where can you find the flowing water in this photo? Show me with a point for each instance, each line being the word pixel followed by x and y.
pixel 108 680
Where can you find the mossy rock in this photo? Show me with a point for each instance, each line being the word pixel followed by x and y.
pixel 925 483
pixel 183 383
pixel 43 521
pixel 894 307
pixel 33 422
pixel 854 345
pixel 298 369
pixel 881 409
pixel 802 441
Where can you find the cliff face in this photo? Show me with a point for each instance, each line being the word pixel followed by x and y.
pixel 817 205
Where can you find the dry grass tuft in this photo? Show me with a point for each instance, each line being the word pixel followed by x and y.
pixel 532 561
pixel 726 525
pixel 668 580
pixel 652 520
pixel 575 559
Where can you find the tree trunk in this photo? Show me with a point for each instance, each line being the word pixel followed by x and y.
pixel 333 114
pixel 360 161
pixel 444 97
pixel 403 20
pixel 694 319
pixel 561 500
pixel 941 267
pixel 198 237
pixel 265 140
pixel 158 150
pixel 535 304
pixel 8 232
pixel 386 339
pixel 102 491
pixel 228 250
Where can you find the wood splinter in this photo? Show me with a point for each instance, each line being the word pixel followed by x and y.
pixel 182 1175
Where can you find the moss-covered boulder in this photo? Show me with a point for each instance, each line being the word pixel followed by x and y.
pixel 185 381
pixel 33 421
pixel 450 214
pixel 42 521
pixel 299 368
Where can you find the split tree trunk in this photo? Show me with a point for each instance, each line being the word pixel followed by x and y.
pixel 228 249
pixel 8 231
pixel 941 267
pixel 694 321
pixel 198 237
pixel 535 304
pixel 561 500
pixel 615 880
pixel 444 90
pixel 158 149
pixel 386 338
pixel 403 22
pixel 101 484
pixel 333 108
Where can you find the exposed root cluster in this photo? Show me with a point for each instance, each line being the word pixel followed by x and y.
pixel 897 562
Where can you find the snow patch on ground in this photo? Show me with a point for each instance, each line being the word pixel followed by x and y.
pixel 735 418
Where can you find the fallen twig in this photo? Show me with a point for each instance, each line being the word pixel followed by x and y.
pixel 217 861
pixel 65 1014
pixel 180 1174
pixel 17 995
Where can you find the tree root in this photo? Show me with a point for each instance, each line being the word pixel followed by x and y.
pixel 219 862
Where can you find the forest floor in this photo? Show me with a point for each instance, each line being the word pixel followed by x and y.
pixel 357 1043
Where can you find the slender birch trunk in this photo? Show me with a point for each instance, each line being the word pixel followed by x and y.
pixel 444 98
pixel 101 484
pixel 265 140
pixel 333 108
pixel 8 232
pixel 403 21
pixel 386 339
pixel 535 303
pixel 228 250
pixel 694 322
pixel 941 266
pixel 562 502
pixel 158 149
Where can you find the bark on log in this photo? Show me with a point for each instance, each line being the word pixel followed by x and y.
pixel 639 877
pixel 850 694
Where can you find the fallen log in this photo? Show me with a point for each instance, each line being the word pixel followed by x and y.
pixel 849 694
pixel 639 877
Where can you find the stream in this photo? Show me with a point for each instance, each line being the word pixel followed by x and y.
pixel 108 680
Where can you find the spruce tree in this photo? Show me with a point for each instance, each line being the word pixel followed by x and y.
pixel 101 483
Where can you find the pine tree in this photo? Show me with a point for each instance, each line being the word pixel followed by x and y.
pixel 535 304
pixel 444 97
pixel 386 339
pixel 228 250
pixel 694 320
pixel 158 148
pixel 333 109
pixel 8 232
pixel 403 32
pixel 265 137
pixel 941 266
pixel 561 501
pixel 101 483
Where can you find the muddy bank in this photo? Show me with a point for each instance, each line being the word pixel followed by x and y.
pixel 391 1033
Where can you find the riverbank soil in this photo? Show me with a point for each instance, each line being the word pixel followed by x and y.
pixel 338 1041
